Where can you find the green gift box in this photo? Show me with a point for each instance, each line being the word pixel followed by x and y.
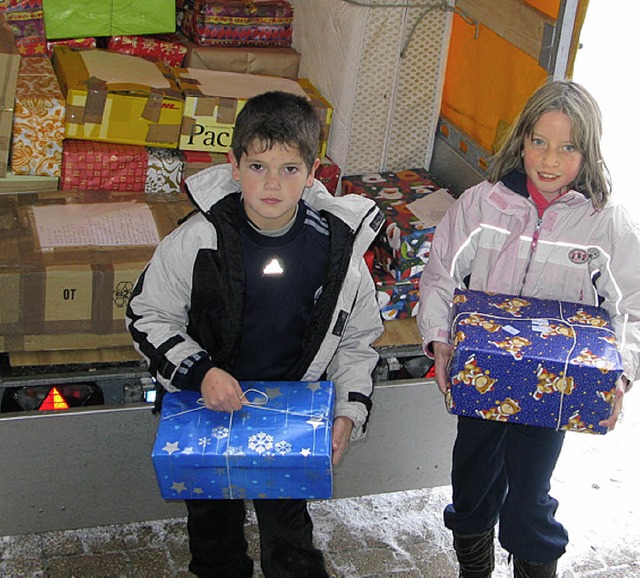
pixel 82 18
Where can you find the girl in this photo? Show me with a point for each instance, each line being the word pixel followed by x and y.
pixel 540 226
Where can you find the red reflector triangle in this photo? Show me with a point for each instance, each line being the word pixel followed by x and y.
pixel 53 401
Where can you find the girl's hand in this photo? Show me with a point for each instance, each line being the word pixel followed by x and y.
pixel 221 391
pixel 441 354
pixel 621 389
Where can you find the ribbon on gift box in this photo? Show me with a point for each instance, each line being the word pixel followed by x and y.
pixel 538 325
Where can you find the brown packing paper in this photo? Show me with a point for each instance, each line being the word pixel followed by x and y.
pixel 75 356
pixel 71 289
pixel 283 62
pixel 64 342
pixel 9 66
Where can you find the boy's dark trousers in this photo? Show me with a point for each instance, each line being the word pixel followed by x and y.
pixel 219 548
pixel 502 471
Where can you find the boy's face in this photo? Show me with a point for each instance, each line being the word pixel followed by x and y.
pixel 272 183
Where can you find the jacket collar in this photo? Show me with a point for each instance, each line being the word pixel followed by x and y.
pixel 211 185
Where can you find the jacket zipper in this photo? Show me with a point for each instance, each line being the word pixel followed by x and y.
pixel 532 250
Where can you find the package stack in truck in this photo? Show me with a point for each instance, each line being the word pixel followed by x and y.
pixel 413 204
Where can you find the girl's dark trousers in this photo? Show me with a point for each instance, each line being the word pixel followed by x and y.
pixel 219 548
pixel 502 472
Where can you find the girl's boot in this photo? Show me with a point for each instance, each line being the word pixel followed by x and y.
pixel 522 569
pixel 475 554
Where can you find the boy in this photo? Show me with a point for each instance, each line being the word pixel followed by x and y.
pixel 265 282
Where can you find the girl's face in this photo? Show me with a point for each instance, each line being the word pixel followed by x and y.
pixel 272 183
pixel 551 160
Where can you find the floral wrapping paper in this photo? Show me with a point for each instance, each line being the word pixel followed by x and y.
pixel 38 120
pixel 276 446
pixel 164 171
pixel 166 48
pixel 237 22
pixel 404 245
pixel 530 361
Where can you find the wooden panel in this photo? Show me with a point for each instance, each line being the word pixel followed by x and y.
pixel 513 20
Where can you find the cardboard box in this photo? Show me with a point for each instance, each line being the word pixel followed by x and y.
pixel 282 61
pixel 213 100
pixel 413 204
pixel 38 120
pixel 396 299
pixel 118 98
pixel 9 66
pixel 237 22
pixel 277 446
pixel 80 18
pixel 69 259
pixel 530 361
pixel 12 184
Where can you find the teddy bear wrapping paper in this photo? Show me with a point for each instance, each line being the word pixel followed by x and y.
pixel 530 361
pixel 277 446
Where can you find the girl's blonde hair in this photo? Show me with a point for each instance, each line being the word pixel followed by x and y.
pixel 576 102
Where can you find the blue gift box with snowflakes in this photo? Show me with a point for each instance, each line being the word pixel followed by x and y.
pixel 277 446
pixel 531 361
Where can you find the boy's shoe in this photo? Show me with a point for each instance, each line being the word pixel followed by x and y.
pixel 475 554
pixel 522 569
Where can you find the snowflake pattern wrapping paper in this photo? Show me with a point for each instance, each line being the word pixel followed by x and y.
pixel 276 446
pixel 531 361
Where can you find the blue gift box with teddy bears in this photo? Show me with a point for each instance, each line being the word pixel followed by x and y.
pixel 531 361
pixel 277 446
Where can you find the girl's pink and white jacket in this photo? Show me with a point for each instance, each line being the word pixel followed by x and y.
pixel 492 239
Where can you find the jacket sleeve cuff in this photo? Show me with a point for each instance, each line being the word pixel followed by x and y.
pixel 197 373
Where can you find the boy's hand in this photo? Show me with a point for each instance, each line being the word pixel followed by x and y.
pixel 221 391
pixel 441 355
pixel 342 427
pixel 621 389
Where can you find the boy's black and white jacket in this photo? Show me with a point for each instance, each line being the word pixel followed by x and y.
pixel 186 310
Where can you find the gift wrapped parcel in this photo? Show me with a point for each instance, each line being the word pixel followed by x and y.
pixel 277 446
pixel 530 361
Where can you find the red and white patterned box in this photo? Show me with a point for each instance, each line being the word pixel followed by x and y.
pixel 73 42
pixel 93 165
pixel 166 48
